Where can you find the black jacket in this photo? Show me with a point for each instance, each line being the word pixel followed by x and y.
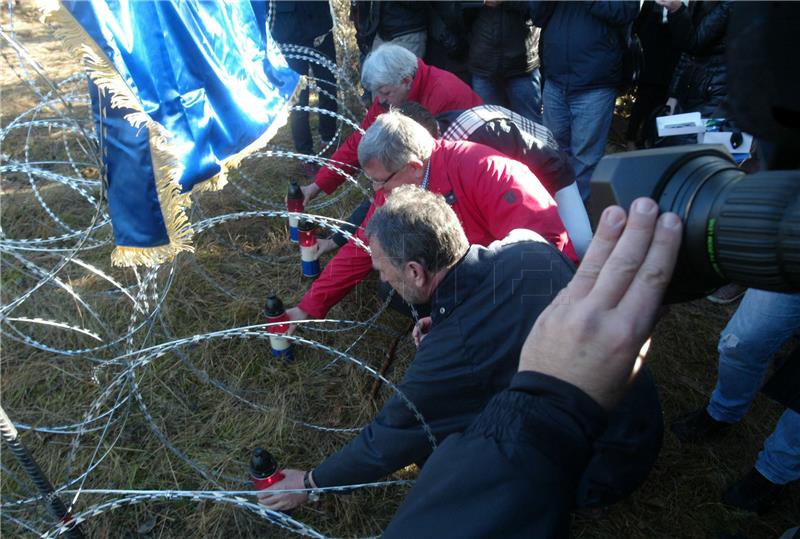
pixel 513 473
pixel 700 80
pixel 503 42
pixel 516 137
pixel 300 22
pixel 482 312
pixel 581 42
pixel 389 19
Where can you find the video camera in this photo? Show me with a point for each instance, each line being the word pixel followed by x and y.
pixel 742 228
pixel 738 227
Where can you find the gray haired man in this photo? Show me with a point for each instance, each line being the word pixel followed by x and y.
pixel 484 302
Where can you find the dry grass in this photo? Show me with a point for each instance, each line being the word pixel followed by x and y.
pixel 217 399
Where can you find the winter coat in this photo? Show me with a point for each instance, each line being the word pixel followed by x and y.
pixel 700 80
pixel 503 42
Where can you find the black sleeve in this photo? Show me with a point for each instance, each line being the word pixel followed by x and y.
pixel 513 473
pixel 548 163
pixel 540 11
pixel 396 437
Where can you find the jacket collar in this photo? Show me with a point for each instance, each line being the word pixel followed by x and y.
pixel 457 284
pixel 416 92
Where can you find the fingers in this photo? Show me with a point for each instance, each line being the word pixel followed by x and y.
pixel 643 297
pixel 608 232
pixel 627 256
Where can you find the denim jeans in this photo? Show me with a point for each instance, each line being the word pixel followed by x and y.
pixel 580 121
pixel 523 95
pixel 298 120
pixel 763 322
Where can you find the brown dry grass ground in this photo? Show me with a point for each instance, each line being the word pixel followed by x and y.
pixel 223 286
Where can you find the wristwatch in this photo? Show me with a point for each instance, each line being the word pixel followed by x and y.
pixel 313 493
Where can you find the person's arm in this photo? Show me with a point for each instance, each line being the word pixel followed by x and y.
pixel 344 271
pixel 615 12
pixel 540 11
pixel 503 477
pixel 396 438
pixel 329 180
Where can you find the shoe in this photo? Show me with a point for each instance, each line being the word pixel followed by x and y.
pixel 698 426
pixel 726 294
pixel 753 492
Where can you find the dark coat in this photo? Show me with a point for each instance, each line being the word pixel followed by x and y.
pixel 700 80
pixel 300 22
pixel 581 42
pixel 513 473
pixel 503 42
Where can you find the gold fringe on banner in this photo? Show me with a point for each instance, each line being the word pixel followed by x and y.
pixel 166 167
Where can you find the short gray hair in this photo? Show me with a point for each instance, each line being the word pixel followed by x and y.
pixel 394 140
pixel 416 225
pixel 388 64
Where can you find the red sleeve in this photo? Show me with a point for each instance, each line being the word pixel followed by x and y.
pixel 510 197
pixel 345 270
pixel 328 179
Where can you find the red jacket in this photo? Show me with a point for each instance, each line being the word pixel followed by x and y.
pixel 433 88
pixel 491 195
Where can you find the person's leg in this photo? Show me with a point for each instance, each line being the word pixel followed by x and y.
pixel 591 114
pixel 557 117
pixel 525 95
pixel 327 124
pixel 779 460
pixel 489 90
pixel 298 120
pixel 763 322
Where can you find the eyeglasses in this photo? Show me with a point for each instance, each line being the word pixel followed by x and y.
pixel 381 183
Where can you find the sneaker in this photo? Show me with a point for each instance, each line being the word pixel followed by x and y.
pixel 726 294
pixel 753 492
pixel 698 426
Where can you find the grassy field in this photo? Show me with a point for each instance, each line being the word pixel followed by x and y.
pixel 187 418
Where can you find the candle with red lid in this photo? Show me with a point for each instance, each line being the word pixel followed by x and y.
pixel 274 311
pixel 294 203
pixel 308 248
pixel 264 470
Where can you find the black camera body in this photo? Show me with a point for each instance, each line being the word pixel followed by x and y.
pixel 737 227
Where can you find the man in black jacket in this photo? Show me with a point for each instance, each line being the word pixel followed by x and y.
pixel 513 473
pixel 484 300
pixel 582 48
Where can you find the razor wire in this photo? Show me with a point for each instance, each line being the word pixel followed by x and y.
pixel 64 258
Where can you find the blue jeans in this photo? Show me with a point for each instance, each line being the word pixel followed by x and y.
pixel 523 95
pixel 580 121
pixel 763 322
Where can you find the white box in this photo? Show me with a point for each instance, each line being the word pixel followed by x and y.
pixel 680 124
pixel 724 138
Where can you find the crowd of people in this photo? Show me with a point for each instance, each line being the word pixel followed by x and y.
pixel 486 122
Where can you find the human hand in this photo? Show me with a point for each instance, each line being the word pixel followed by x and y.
pixel 421 329
pixel 295 313
pixel 310 192
pixel 293 479
pixel 671 5
pixel 492 3
pixel 591 333
pixel 672 103
pixel 325 245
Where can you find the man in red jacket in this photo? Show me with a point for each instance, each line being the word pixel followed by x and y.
pixel 490 193
pixel 394 75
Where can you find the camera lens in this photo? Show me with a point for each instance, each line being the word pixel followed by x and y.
pixel 737 227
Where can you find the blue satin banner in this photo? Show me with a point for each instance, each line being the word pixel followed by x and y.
pixel 199 84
